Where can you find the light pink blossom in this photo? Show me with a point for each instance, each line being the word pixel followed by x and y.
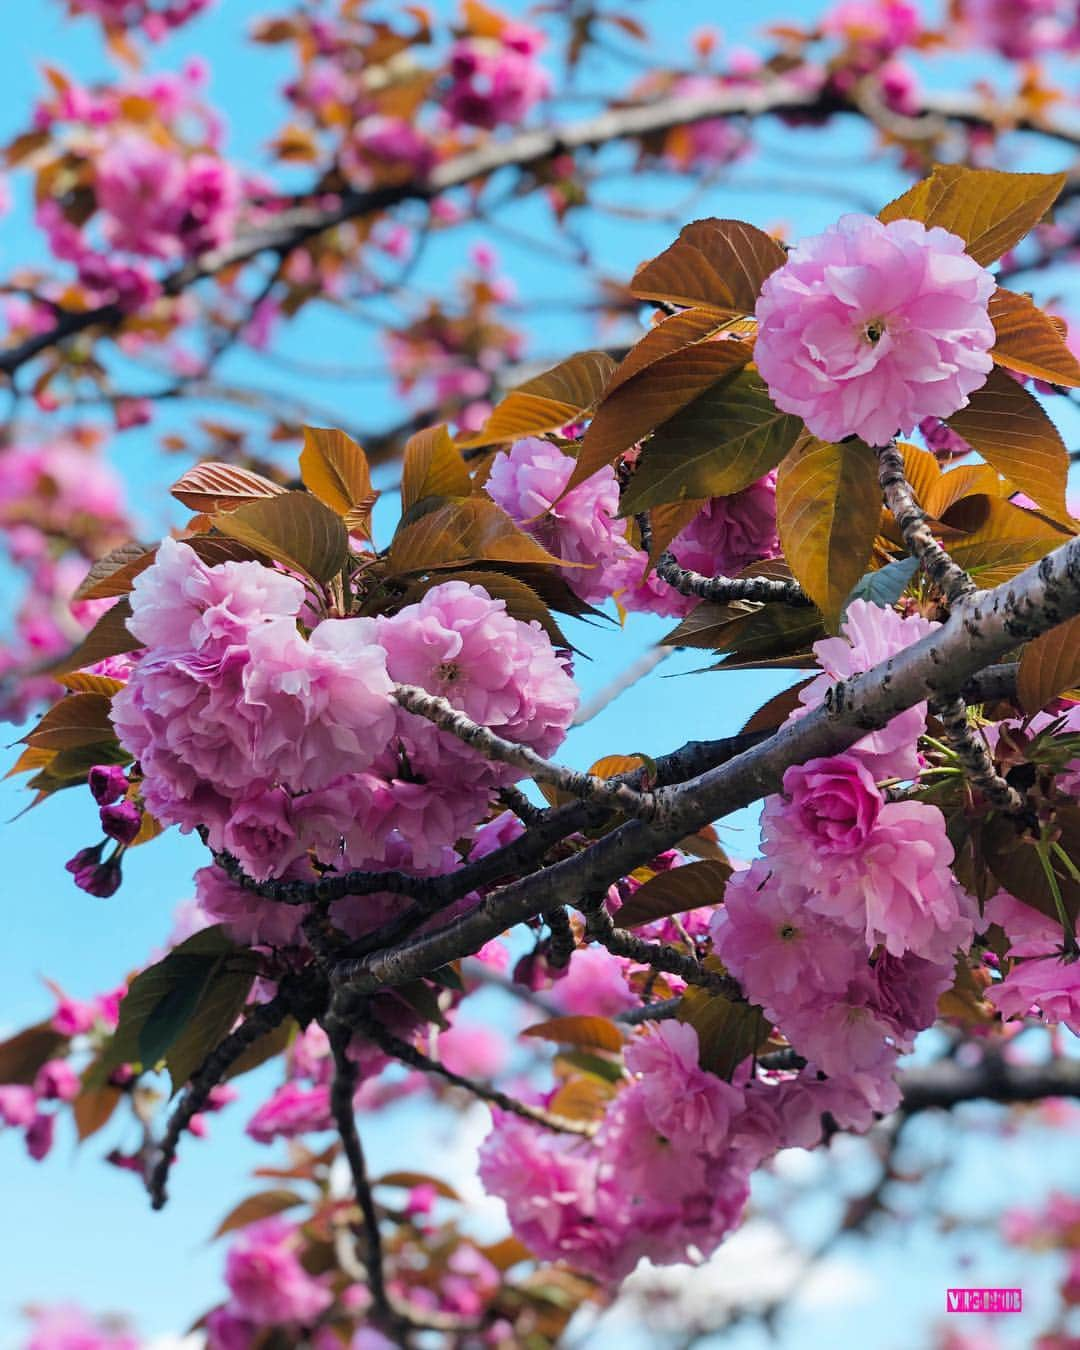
pixel 869 328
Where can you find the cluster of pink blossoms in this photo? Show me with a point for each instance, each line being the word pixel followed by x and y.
pixel 159 205
pixel 495 81
pixel 844 933
pixel 156 21
pixel 868 329
pixel 1022 29
pixel 64 1326
pixel 278 742
pixel 583 527
pixel 268 1287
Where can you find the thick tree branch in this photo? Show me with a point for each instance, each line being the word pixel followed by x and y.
pixel 981 629
pixel 948 1084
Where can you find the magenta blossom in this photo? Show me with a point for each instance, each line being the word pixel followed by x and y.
pixel 869 328
pixel 836 802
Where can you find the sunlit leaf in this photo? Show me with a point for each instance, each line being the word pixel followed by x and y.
pixel 1009 429
pixel 828 504
pixel 673 333
pixel 432 467
pixel 222 487
pixel 648 400
pixel 463 532
pixel 714 264
pixel 548 402
pixel 990 210
pixel 590 1033
pixel 335 469
pixel 725 440
pixel 1029 341
pixel 294 529
pixel 1049 666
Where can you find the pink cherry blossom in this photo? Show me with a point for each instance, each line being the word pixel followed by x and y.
pixel 266 1281
pixel 869 328
pixel 870 634
pixel 682 1101
pixel 461 644
pixel 291 1111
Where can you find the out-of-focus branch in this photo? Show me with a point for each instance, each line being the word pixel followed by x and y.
pixel 298 224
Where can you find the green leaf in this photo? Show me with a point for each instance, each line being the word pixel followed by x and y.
pixel 990 210
pixel 1012 859
pixel 658 393
pixel 828 505
pixel 746 633
pixel 294 529
pixel 885 586
pixel 161 992
pixel 690 887
pixel 725 440
pixel 1006 425
pixel 728 1032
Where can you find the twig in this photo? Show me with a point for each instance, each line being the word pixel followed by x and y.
pixel 609 792
pixel 950 579
pixel 722 590
pixel 416 1059
pixel 341 1105
pixel 258 1023
pixel 974 756
pixel 600 926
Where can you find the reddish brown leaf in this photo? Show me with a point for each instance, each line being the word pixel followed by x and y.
pixel 221 487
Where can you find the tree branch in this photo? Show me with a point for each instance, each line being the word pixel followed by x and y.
pixel 981 629
pixel 950 579
pixel 948 1084
pixel 297 225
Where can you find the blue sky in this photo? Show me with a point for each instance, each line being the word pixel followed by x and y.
pixel 74 1228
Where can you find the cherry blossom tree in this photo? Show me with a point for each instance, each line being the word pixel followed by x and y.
pixel 835 455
